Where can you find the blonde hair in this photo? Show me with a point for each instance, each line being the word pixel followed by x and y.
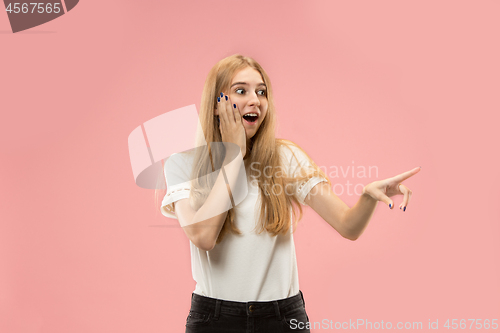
pixel 276 209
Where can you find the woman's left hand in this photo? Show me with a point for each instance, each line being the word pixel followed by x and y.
pixel 382 190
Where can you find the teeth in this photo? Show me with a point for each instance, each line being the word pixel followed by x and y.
pixel 251 114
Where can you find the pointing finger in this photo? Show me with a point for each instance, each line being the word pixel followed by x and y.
pixel 405 175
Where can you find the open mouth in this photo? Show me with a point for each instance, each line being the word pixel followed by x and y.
pixel 251 118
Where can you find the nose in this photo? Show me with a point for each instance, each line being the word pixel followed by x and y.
pixel 254 99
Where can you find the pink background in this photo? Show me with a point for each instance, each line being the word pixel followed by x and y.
pixel 392 84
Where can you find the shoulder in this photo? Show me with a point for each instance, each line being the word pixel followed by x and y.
pixel 178 166
pixel 180 159
pixel 289 149
pixel 287 146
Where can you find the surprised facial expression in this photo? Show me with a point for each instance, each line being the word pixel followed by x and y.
pixel 249 93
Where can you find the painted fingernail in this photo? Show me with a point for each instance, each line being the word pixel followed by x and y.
pixel 390 206
pixel 226 97
pixel 221 95
pixel 234 106
pixel 404 209
pixel 218 99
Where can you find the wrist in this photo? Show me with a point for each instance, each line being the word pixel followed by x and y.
pixel 366 193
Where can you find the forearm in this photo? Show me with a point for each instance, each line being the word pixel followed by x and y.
pixel 357 217
pixel 210 217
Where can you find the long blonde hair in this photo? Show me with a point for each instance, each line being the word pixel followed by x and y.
pixel 276 209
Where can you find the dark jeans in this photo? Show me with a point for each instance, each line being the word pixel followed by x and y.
pixel 209 315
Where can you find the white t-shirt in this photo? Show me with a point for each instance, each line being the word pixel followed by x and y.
pixel 250 266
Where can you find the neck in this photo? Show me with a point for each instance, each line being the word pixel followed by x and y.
pixel 249 147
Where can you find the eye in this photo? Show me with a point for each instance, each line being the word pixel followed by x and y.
pixel 241 91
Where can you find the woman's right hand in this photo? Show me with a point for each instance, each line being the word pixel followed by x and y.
pixel 231 126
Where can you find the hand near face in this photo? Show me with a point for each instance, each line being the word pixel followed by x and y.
pixel 231 127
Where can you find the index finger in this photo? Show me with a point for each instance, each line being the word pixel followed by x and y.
pixel 223 110
pixel 406 175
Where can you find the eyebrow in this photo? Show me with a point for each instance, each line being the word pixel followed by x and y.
pixel 260 84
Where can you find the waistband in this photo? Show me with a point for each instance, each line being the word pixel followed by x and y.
pixel 250 309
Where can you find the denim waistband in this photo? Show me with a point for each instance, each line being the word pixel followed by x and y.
pixel 251 309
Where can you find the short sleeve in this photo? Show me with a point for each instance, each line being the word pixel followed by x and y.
pixel 177 170
pixel 295 160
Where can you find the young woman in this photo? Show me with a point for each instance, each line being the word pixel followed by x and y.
pixel 240 221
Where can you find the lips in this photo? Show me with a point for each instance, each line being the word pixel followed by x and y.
pixel 250 120
pixel 251 117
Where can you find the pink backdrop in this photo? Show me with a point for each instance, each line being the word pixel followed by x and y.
pixel 390 84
